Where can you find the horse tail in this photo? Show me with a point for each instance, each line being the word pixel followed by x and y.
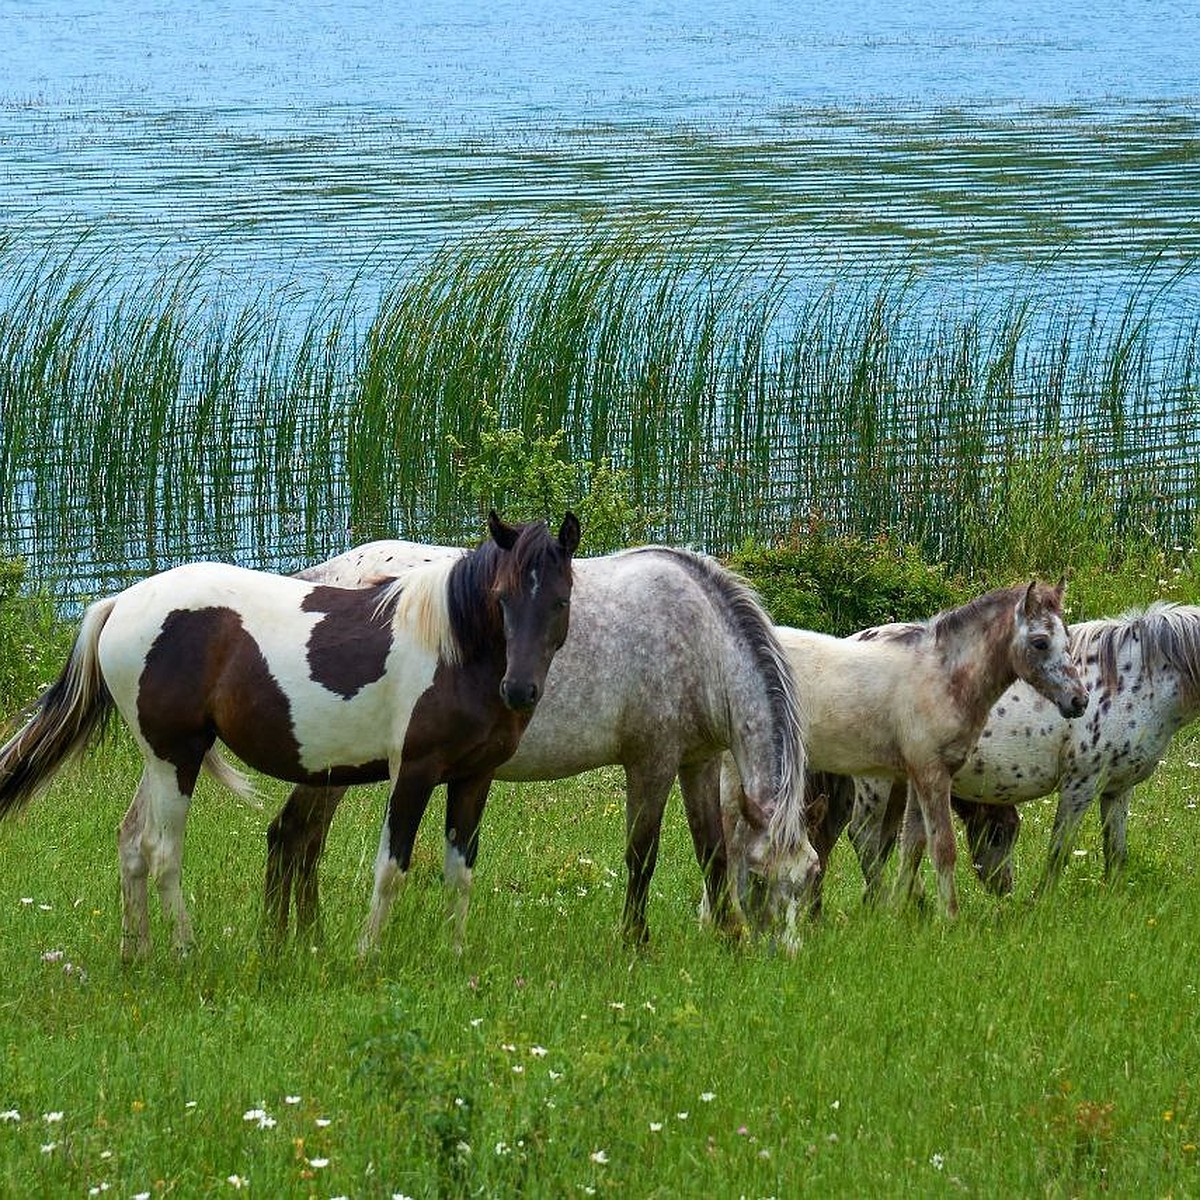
pixel 226 774
pixel 62 721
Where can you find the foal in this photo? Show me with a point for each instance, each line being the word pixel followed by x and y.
pixel 911 705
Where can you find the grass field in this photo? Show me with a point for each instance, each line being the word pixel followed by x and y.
pixel 1027 1050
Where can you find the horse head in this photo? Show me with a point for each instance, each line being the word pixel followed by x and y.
pixel 776 885
pixel 532 586
pixel 1041 649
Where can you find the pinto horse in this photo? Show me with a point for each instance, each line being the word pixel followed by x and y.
pixel 913 706
pixel 670 660
pixel 425 680
pixel 1142 670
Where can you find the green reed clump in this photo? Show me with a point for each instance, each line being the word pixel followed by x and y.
pixel 151 417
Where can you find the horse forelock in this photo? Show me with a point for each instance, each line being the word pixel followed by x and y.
pixel 1167 635
pixel 743 615
pixel 477 580
pixel 536 551
pixel 419 603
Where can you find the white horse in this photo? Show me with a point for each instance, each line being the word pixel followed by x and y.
pixel 670 661
pixel 912 707
pixel 1142 671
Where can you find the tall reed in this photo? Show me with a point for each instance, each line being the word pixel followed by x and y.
pixel 153 417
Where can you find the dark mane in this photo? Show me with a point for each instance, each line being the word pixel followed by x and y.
pixel 951 622
pixel 477 579
pixel 1167 634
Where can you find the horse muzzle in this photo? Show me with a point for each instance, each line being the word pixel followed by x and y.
pixel 1074 704
pixel 521 696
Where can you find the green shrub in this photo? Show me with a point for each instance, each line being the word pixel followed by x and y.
pixel 838 584
pixel 529 476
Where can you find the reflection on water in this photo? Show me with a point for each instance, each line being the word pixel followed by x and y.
pixel 303 141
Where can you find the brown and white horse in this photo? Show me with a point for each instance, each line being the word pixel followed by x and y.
pixel 425 680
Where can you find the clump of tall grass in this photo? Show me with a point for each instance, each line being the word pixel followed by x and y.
pixel 150 418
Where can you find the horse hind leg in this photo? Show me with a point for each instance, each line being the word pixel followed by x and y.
pixel 135 868
pixel 1114 817
pixel 295 843
pixel 874 823
pixel 151 844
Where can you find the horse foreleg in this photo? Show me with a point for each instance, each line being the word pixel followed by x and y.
pixel 700 785
pixel 1114 817
pixel 873 825
pixel 295 843
pixel 1073 801
pixel 647 787
pixel 464 812
pixel 932 788
pixel 406 806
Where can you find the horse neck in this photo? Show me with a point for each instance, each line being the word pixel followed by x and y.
pixel 1163 642
pixel 975 646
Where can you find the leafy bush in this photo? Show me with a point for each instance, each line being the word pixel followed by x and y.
pixel 838 584
pixel 526 477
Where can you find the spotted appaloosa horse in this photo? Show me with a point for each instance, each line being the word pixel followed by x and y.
pixel 913 706
pixel 669 661
pixel 1142 671
pixel 425 680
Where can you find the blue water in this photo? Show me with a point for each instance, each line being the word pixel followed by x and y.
pixel 300 142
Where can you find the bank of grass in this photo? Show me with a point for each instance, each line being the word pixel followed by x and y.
pixel 1047 1049
pixel 153 418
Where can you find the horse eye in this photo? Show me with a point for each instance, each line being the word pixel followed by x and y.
pixel 563 603
pixel 1041 644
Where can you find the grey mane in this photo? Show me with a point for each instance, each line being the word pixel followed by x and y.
pixel 1167 635
pixel 751 627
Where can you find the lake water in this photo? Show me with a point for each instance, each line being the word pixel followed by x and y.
pixel 325 146
pixel 300 142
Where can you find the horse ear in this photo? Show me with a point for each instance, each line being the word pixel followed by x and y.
pixel 504 535
pixel 1060 587
pixel 568 534
pixel 1027 605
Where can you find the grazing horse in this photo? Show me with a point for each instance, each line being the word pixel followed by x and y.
pixel 670 661
pixel 1142 670
pixel 912 705
pixel 425 680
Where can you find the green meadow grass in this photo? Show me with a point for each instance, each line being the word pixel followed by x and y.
pixel 1047 1049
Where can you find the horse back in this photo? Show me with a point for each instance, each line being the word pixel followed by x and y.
pixel 298 680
